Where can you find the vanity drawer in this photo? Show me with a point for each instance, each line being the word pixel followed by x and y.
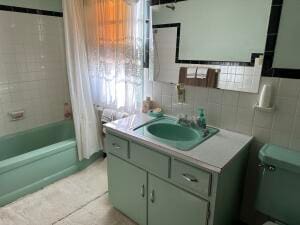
pixel 117 146
pixel 150 159
pixel 191 177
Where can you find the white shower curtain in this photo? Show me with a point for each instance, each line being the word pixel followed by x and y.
pixel 87 132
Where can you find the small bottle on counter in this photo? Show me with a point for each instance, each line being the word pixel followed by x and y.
pixel 67 111
pixel 147 105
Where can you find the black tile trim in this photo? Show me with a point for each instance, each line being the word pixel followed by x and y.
pixel 160 2
pixel 208 62
pixel 30 11
pixel 268 70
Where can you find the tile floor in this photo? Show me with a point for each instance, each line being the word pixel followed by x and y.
pixel 80 199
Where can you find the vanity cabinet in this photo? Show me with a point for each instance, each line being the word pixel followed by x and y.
pixel 128 189
pixel 169 204
pixel 155 188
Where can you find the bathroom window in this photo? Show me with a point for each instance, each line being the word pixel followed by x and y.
pixel 115 43
pixel 113 18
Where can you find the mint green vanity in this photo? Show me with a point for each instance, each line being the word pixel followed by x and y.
pixel 155 184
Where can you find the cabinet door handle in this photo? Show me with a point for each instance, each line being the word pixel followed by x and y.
pixel 116 146
pixel 143 190
pixel 189 178
pixel 152 198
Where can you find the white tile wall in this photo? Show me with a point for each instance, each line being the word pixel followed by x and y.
pixel 32 70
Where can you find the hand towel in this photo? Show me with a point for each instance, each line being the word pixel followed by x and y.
pixel 108 115
pixel 121 115
pixel 212 78
pixel 191 72
pixel 201 72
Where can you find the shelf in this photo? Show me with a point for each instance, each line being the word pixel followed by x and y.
pixel 263 109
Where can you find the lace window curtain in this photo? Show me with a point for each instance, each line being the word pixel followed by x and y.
pixel 114 31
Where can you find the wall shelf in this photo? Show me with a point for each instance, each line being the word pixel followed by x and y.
pixel 264 109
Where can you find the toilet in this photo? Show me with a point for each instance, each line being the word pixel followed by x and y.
pixel 279 185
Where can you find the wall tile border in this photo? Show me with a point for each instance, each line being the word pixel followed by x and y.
pixel 158 2
pixel 30 11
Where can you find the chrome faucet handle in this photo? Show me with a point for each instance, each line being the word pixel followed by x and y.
pixel 183 120
pixel 193 122
pixel 180 116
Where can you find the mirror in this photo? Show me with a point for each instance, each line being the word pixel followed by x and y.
pixel 229 36
pixel 285 60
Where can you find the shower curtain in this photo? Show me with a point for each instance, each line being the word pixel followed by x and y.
pixel 87 132
pixel 104 45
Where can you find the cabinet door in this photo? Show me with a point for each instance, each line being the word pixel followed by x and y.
pixel 127 189
pixel 169 205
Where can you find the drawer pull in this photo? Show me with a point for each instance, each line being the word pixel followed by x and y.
pixel 152 198
pixel 189 178
pixel 116 146
pixel 143 190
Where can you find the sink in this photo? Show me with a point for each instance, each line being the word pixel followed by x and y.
pixel 173 132
pixel 167 131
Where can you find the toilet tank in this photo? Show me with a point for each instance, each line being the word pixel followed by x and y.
pixel 279 184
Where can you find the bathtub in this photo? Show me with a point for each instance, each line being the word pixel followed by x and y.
pixel 35 158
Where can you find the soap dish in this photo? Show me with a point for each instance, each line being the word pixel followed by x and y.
pixel 155 114
pixel 264 109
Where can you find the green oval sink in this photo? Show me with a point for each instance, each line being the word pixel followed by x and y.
pixel 172 132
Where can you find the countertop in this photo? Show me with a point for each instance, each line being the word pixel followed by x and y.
pixel 213 154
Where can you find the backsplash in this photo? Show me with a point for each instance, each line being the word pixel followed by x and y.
pixel 32 70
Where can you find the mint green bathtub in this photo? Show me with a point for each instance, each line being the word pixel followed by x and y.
pixel 35 158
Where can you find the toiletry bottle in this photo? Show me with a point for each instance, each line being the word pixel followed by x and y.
pixel 147 105
pixel 180 92
pixel 202 119
pixel 67 111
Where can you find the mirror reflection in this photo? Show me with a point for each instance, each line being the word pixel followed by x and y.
pixel 197 41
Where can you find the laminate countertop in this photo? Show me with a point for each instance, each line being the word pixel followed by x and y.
pixel 213 154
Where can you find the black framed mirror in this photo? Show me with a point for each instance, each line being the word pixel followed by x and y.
pixel 282 52
pixel 277 31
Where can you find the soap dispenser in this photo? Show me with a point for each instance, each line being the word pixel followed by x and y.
pixel 201 119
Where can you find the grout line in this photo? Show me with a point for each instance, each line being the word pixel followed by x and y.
pixel 292 135
pixel 81 207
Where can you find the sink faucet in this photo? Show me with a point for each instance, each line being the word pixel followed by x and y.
pixel 184 121
pixel 193 123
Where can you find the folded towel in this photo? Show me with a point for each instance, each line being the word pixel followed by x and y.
pixel 201 73
pixel 187 81
pixel 121 115
pixel 108 115
pixel 212 78
pixel 191 72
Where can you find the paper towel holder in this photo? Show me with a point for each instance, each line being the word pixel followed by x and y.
pixel 265 100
